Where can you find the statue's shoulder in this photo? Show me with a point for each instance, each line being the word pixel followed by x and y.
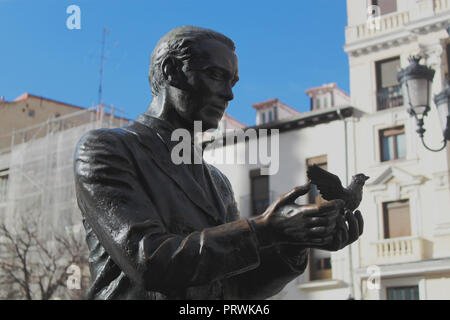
pixel 102 135
pixel 104 140
pixel 123 140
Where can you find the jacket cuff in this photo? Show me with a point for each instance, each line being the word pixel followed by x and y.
pixel 263 237
pixel 236 242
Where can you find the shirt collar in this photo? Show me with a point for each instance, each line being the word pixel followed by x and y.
pixel 163 129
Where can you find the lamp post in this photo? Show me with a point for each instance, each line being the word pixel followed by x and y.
pixel 416 80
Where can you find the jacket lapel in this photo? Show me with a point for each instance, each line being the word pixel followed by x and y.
pixel 215 180
pixel 148 137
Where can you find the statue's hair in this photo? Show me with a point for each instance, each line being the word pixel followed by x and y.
pixel 178 43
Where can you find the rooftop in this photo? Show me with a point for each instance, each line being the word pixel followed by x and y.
pixel 272 102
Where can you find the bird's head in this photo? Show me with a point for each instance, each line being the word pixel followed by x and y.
pixel 359 179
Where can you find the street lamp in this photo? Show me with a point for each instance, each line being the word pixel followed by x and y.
pixel 442 102
pixel 416 82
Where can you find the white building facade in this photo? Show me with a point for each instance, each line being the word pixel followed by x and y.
pixel 404 252
pixel 406 245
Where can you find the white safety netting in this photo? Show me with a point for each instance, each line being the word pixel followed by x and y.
pixel 38 199
pixel 41 180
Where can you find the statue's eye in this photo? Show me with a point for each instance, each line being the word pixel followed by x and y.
pixel 216 73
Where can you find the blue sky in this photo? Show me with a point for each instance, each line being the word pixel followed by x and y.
pixel 284 47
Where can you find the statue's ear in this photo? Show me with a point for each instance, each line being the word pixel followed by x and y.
pixel 172 70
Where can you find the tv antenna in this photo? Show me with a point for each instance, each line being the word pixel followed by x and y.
pixel 102 62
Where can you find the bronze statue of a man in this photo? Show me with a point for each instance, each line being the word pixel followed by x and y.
pixel 157 230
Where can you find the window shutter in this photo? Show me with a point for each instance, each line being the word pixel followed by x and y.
pixel 397 221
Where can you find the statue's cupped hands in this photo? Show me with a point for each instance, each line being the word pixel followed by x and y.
pixel 324 226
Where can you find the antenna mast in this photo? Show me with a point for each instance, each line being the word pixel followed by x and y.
pixel 102 62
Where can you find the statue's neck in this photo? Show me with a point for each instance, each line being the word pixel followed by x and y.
pixel 163 108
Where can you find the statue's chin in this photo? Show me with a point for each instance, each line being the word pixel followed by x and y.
pixel 209 122
pixel 209 126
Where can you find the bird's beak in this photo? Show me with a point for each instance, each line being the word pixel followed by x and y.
pixel 366 178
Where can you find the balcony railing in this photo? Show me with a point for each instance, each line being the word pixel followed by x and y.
pixel 398 250
pixel 389 97
pixel 381 25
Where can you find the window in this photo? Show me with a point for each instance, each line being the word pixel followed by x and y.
pixel 259 192
pixel 396 220
pixel 392 143
pixel 389 94
pixel 319 265
pixel 3 184
pixel 319 260
pixel 402 293
pixel 325 102
pixel 386 6
pixel 317 103
pixel 270 115
pixel 263 117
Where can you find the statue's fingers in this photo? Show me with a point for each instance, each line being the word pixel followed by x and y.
pixel 330 208
pixel 353 229
pixel 319 242
pixel 305 235
pixel 360 219
pixel 320 231
pixel 321 221
pixel 343 231
pixel 323 209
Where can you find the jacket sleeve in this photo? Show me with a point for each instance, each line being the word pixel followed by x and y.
pixel 279 265
pixel 273 274
pixel 126 223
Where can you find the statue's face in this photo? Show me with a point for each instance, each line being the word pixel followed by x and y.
pixel 210 80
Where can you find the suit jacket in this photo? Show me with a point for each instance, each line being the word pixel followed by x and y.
pixel 153 233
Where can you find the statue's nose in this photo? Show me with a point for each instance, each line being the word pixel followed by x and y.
pixel 227 93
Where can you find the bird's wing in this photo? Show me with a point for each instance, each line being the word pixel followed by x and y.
pixel 330 185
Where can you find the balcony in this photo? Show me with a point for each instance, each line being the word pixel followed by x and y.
pixel 400 250
pixel 380 32
pixel 389 97
pixel 382 25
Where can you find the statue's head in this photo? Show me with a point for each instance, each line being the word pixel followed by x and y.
pixel 196 69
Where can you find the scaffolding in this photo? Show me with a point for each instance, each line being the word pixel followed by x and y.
pixel 40 168
pixel 37 187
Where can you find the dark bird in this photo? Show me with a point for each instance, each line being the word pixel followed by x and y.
pixel 331 188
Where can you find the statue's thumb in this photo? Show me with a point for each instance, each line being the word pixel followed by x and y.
pixel 292 195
